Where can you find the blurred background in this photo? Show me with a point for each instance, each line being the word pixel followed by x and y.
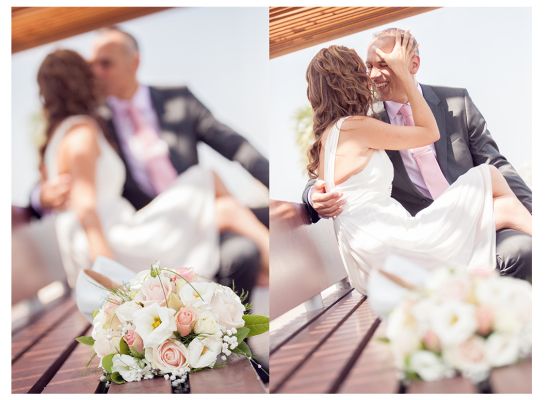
pixel 485 50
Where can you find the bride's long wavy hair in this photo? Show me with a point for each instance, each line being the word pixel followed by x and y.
pixel 67 87
pixel 338 86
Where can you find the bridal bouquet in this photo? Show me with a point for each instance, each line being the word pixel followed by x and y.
pixel 169 323
pixel 461 322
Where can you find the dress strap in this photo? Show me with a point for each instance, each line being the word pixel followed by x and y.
pixel 330 153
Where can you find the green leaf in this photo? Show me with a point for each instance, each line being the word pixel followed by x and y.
pixel 242 333
pixel 257 324
pixel 87 340
pixel 383 339
pixel 243 349
pixel 95 312
pixel 106 362
pixel 117 378
pixel 124 348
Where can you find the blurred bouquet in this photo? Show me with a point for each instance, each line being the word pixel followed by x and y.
pixel 465 322
pixel 169 323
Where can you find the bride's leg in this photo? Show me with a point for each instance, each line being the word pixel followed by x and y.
pixel 508 210
pixel 235 217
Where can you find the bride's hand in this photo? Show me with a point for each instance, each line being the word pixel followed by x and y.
pixel 401 55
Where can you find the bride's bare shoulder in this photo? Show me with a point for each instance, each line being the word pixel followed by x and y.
pixel 80 139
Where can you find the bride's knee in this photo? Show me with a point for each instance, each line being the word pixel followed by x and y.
pixel 227 211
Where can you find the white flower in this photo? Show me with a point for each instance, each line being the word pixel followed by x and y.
pixel 125 312
pixel 206 323
pixel 502 349
pixel 154 324
pixel 454 322
pixel 203 351
pixel 228 308
pixel 429 366
pixel 190 298
pixel 130 368
pixel 469 357
pixel 403 332
pixel 106 333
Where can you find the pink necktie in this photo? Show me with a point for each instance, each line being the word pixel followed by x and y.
pixel 152 151
pixel 426 160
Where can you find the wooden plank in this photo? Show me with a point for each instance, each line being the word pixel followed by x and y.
pixel 280 336
pixel 156 385
pixel 75 375
pixel 374 371
pixel 237 377
pixel 292 354
pixel 451 385
pixel 513 379
pixel 37 366
pixel 321 368
pixel 25 338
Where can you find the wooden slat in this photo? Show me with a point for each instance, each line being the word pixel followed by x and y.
pixel 36 367
pixel 319 371
pixel 156 385
pixel 34 26
pixel 452 385
pixel 292 29
pixel 513 379
pixel 375 370
pixel 75 375
pixel 284 333
pixel 25 338
pixel 292 354
pixel 237 377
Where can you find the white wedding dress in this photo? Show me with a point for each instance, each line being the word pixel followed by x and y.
pixel 374 231
pixel 177 228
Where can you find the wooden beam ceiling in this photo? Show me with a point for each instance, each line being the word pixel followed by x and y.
pixel 35 26
pixel 296 28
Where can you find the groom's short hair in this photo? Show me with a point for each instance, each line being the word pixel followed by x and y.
pixel 392 32
pixel 131 40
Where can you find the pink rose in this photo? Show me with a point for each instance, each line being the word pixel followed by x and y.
pixel 431 341
pixel 184 320
pixel 169 357
pixel 134 341
pixel 155 290
pixel 485 319
pixel 187 274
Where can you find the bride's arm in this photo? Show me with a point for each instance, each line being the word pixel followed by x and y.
pixel 380 135
pixel 79 152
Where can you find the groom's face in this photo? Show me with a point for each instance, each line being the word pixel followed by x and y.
pixel 381 75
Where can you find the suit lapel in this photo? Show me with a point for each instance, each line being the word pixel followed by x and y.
pixel 438 109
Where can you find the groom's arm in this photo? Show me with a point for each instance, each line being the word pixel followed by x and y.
pixel 313 215
pixel 485 150
pixel 227 142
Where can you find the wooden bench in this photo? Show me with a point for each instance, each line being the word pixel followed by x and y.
pixel 324 334
pixel 47 359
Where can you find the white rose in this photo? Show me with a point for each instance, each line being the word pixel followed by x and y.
pixel 154 324
pixel 198 294
pixel 130 368
pixel 454 322
pixel 228 308
pixel 429 366
pixel 502 349
pixel 206 323
pixel 203 351
pixel 105 342
pixel 403 333
pixel 470 358
pixel 126 311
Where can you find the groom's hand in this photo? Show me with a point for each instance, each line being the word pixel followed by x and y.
pixel 327 205
pixel 54 193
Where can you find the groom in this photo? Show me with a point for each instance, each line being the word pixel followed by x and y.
pixel 464 143
pixel 180 121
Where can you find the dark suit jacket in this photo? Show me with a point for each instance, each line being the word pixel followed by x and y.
pixel 464 143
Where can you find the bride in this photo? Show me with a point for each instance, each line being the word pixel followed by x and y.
pixel 457 229
pixel 180 227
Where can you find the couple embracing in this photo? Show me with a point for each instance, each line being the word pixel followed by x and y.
pixel 422 181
